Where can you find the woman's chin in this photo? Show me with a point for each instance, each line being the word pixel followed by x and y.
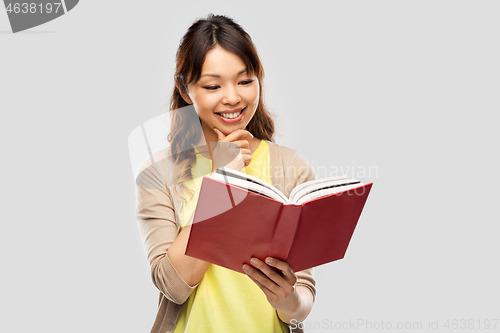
pixel 227 129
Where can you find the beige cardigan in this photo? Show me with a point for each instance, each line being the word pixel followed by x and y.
pixel 158 216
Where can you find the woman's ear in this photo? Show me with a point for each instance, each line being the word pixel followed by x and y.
pixel 183 91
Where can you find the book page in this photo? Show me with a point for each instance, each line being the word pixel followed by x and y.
pixel 318 184
pixel 249 183
pixel 324 192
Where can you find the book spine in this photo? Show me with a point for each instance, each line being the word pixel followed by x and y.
pixel 284 233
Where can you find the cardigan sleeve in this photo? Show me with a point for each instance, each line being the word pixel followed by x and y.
pixel 156 219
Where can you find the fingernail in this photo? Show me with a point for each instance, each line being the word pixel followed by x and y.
pixel 269 260
pixel 253 261
pixel 245 267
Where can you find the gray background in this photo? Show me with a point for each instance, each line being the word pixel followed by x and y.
pixel 408 88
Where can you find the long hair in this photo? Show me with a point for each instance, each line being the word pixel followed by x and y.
pixel 202 36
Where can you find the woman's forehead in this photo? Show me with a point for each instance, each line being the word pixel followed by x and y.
pixel 222 63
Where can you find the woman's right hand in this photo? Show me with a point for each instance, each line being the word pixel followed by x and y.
pixel 225 156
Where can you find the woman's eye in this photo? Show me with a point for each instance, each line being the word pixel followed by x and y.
pixel 246 82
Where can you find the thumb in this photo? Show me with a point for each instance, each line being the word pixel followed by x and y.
pixel 220 135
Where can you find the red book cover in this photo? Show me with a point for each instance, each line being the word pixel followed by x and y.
pixel 231 225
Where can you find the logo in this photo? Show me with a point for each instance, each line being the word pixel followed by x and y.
pixel 27 14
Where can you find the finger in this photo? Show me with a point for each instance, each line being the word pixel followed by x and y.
pixel 246 155
pixel 261 278
pixel 239 134
pixel 246 151
pixel 266 291
pixel 270 272
pixel 220 135
pixel 247 160
pixel 284 267
pixel 271 297
pixel 242 143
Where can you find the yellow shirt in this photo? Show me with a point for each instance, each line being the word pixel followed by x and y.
pixel 225 300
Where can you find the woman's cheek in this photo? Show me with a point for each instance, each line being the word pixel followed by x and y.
pixel 206 101
pixel 252 96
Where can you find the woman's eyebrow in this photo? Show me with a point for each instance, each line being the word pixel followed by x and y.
pixel 216 75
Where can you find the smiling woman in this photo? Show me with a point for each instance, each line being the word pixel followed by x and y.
pixel 220 74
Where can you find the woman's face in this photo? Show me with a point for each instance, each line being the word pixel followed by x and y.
pixel 226 95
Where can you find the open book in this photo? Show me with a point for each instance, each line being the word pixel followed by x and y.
pixel 239 216
pixel 300 194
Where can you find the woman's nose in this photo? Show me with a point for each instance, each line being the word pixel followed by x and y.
pixel 231 96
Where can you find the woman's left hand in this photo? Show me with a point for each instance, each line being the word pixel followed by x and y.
pixel 278 282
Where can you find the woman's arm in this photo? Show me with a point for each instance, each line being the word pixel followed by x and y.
pixel 158 229
pixel 190 269
pixel 302 311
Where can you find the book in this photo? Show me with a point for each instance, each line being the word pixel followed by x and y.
pixel 239 216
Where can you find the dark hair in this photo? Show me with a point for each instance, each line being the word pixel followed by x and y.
pixel 202 36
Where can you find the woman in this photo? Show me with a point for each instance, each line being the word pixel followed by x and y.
pixel 219 74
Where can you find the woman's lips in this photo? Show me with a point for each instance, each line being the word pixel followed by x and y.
pixel 232 120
